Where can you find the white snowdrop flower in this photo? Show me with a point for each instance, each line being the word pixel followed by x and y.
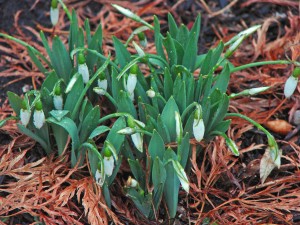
pixel 150 93
pixel 109 165
pixel 137 140
pixel 198 124
pixel 131 82
pixel 25 116
pixel 126 130
pixel 143 39
pixel 54 12
pixel 84 71
pixel 290 86
pixel 82 68
pixel 38 115
pixel 99 178
pixel 131 96
pixel 102 84
pixel 58 102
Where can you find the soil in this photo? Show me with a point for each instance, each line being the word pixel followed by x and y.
pixel 34 12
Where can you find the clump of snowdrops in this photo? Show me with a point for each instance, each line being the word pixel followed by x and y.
pixel 160 116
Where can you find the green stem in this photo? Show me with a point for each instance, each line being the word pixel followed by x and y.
pixel 87 86
pixel 271 141
pixel 259 64
pixel 111 99
pixel 144 132
pixel 66 10
pixel 34 50
pixel 112 116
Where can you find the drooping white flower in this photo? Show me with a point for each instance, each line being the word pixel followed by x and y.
pixel 25 116
pixel 131 82
pixel 58 102
pixel 84 71
pixel 198 124
pixel 143 39
pixel 290 86
pixel 99 178
pixel 54 12
pixel 109 165
pixel 137 140
pixel 82 68
pixel 38 115
pixel 102 84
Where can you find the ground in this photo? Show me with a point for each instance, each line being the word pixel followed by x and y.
pixel 224 188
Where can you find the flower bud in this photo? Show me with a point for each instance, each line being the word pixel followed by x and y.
pixel 143 39
pixel 233 47
pixel 178 127
pixel 25 114
pixel 108 161
pixel 150 93
pixel 290 86
pixel 54 12
pixel 57 98
pixel 99 178
pixel 131 182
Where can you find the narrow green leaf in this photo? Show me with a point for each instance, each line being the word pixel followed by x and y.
pixel 89 123
pixel 158 39
pixel 156 146
pixel 183 151
pixel 163 130
pixel 183 35
pixel 125 104
pixel 217 53
pixel 61 137
pixel 137 172
pixel 158 177
pixel 73 31
pixel 36 61
pixel 173 29
pixel 113 136
pixel 50 81
pixel 206 66
pixel 74 94
pixel 222 80
pixel 98 131
pixel 95 44
pixel 15 102
pixel 168 84
pixel 122 54
pixel 190 53
pixel 171 50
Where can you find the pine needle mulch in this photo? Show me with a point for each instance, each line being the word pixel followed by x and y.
pixel 224 188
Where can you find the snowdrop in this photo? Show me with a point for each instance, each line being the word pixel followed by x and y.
pixel 57 98
pixel 102 83
pixel 143 39
pixel 178 127
pixel 109 162
pixel 131 182
pixel 38 115
pixel 25 114
pixel 150 93
pixel 132 80
pixel 136 138
pixel 198 124
pixel 54 12
pixel 82 68
pixel 291 83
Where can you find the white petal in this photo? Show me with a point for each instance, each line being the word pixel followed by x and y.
pixel 131 95
pixel 150 93
pixel 126 130
pixel 99 91
pixel 84 71
pixel 102 84
pixel 108 165
pixel 58 102
pixel 198 129
pixel 178 126
pixel 131 83
pixel 290 86
pixel 98 177
pixel 38 118
pixel 137 141
pixel 54 13
pixel 25 116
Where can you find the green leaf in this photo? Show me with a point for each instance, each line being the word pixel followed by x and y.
pixel 113 136
pixel 89 123
pixel 106 194
pixel 59 114
pixel 36 61
pixel 206 66
pixel 47 100
pixel 179 93
pixel 217 53
pixel 183 151
pixel 74 94
pixel 125 104
pixel 183 35
pixel 196 27
pixel 71 128
pixel 61 60
pixel 142 202
pixel 98 131
pixel 168 117
pixel 35 137
pixel 172 184
pixel 173 29
pixel 168 84
pixel 163 130
pixel 96 44
pixel 158 177
pixel 61 137
pixel 158 39
pixel 156 146
pixel 171 50
pixel 189 58
pixel 122 55
pixel 116 84
pixel 137 172
pixel 222 80
pixel 50 81
pixel 87 29
pixel 15 102
pixel 73 31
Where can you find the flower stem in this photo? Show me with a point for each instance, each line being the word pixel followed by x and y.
pixel 65 9
pixel 259 64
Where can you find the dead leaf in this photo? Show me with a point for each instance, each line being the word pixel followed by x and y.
pixel 267 164
pixel 279 126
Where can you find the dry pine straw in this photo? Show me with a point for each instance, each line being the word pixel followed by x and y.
pixel 223 187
